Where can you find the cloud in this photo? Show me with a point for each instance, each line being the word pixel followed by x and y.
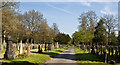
pixel 107 11
pixel 86 4
pixel 60 9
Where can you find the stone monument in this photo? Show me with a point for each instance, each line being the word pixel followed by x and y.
pixel 10 52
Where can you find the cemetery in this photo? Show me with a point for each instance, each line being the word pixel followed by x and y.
pixel 99 53
pixel 28 38
pixel 34 56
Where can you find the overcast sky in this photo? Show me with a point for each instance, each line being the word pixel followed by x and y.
pixel 66 14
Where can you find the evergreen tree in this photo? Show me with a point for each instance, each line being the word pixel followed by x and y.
pixel 113 39
pixel 100 32
pixel 82 36
pixel 62 38
pixel 118 38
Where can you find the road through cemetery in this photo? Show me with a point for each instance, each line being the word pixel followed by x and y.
pixel 67 57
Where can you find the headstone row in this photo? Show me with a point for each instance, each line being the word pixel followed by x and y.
pixel 102 50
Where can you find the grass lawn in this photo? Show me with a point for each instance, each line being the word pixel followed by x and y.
pixel 86 58
pixel 35 58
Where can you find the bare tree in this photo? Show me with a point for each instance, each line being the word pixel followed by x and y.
pixel 111 24
pixel 55 29
pixel 88 21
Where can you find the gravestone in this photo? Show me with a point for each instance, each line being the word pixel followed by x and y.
pixel 109 50
pixel 89 47
pixel 33 47
pixel 93 50
pixel 18 48
pixel 116 52
pixel 57 45
pixel 97 50
pixel 10 53
pixel 49 46
pixel 23 45
pixel 105 54
pixel 14 55
pixel 112 50
pixel 82 46
pixel 4 43
pixel 36 46
pixel 45 46
pixel 101 49
pixel 39 49
pixel 52 46
pixel 119 49
pixel 28 50
pixel 26 45
pixel 21 48
pixel 85 49
pixel 1 48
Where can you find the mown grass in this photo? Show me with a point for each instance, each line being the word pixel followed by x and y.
pixel 86 58
pixel 35 58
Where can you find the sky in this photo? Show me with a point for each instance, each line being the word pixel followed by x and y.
pixel 65 14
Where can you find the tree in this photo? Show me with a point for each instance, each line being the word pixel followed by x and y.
pixel 88 21
pixel 45 32
pixel 10 23
pixel 83 21
pixel 7 4
pixel 32 20
pixel 92 20
pixel 100 32
pixel 55 29
pixel 62 38
pixel 118 38
pixel 82 36
pixel 110 23
pixel 114 40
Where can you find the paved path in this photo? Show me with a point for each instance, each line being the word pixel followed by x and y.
pixel 67 57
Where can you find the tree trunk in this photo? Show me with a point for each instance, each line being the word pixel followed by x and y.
pixel 105 55
pixel 97 48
